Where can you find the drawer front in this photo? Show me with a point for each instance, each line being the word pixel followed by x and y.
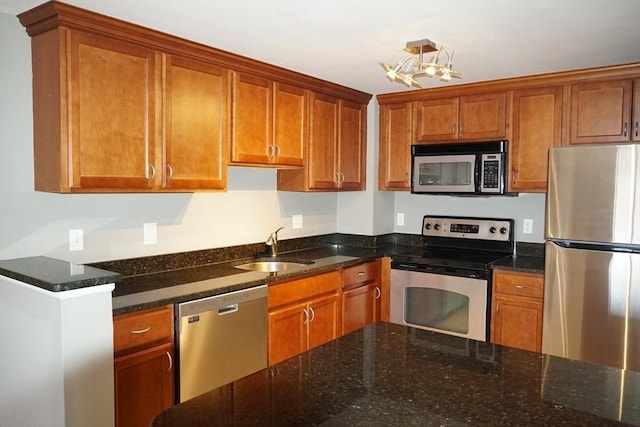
pixel 302 289
pixel 134 330
pixel 360 274
pixel 518 284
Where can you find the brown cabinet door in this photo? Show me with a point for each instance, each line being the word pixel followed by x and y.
pixel 112 112
pixel 601 112
pixel 351 146
pixel 437 120
pixel 323 143
pixel 251 120
pixel 323 322
pixel 483 116
pixel 359 307
pixel 537 127
pixel 196 125
pixel 290 125
pixel 517 323
pixel 143 383
pixel 287 332
pixel 396 137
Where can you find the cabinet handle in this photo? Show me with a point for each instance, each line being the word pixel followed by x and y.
pixel 461 129
pixel 341 178
pixel 520 286
pixel 313 314
pixel 153 172
pixel 625 129
pixel 277 150
pixel 406 177
pixel 170 361
pixel 305 320
pixel 141 331
pixel 498 307
pixel 272 151
pixel 361 273
pixel 378 292
pixel 453 129
pixel 170 173
pixel 514 177
pixel 636 129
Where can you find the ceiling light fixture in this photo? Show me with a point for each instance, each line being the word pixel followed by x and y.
pixel 409 68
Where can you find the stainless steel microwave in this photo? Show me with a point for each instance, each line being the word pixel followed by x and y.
pixel 470 168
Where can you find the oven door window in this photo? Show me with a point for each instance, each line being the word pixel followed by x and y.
pixel 437 308
pixel 445 173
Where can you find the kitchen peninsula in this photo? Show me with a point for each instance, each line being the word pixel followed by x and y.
pixel 387 374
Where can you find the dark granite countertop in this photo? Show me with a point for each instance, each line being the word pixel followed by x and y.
pixel 392 375
pixel 55 275
pixel 184 284
pixel 521 263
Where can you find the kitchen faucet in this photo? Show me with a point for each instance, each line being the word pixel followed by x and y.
pixel 272 242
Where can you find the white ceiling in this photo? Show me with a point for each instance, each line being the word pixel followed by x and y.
pixel 343 41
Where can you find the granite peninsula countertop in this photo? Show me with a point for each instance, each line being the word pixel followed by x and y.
pixel 55 275
pixel 393 375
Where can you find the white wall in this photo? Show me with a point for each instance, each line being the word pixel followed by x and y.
pixel 524 206
pixel 35 223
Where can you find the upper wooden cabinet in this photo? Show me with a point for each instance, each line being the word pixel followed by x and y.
pixel 268 122
pixel 536 127
pixel 336 153
pixel 473 117
pixel 196 99
pixel 603 112
pixel 396 136
pixel 122 108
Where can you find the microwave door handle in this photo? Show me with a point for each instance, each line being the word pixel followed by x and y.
pixel 476 173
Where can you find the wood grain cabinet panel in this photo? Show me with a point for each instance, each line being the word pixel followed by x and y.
pixel 536 128
pixel 516 314
pixel 143 365
pixel 291 124
pixel 396 137
pixel 303 314
pixel 196 99
pixel 465 118
pixel 601 112
pixel 336 151
pixel 361 296
pixel 111 107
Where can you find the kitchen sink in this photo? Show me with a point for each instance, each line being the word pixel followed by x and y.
pixel 272 265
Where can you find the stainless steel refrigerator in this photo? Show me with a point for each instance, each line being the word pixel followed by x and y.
pixel 592 255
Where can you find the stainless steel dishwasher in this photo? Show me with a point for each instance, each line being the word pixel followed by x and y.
pixel 220 339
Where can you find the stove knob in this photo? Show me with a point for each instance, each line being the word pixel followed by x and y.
pixel 492 230
pixel 436 227
pixel 503 230
pixel 427 226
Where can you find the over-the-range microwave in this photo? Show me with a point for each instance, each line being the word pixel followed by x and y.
pixel 467 168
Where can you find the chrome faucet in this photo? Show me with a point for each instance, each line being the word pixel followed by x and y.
pixel 272 242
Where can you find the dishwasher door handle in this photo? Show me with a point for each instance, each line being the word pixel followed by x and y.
pixel 228 309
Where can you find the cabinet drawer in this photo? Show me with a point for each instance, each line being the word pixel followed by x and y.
pixel 141 328
pixel 359 274
pixel 518 284
pixel 306 288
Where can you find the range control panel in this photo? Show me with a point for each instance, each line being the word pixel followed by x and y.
pixel 467 228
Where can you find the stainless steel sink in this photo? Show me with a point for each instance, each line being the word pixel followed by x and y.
pixel 274 265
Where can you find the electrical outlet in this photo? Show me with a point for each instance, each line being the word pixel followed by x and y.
pixel 150 230
pixel 527 226
pixel 76 239
pixel 296 221
pixel 400 219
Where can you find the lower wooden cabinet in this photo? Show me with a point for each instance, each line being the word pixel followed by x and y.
pixel 143 365
pixel 303 314
pixel 516 314
pixel 361 296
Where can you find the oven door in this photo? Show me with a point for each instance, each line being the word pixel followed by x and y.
pixel 448 304
pixel 444 174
